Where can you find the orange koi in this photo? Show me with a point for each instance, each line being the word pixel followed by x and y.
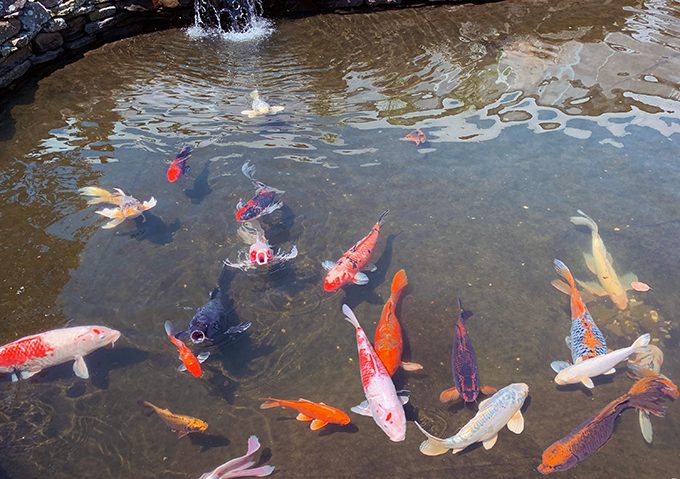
pixel 190 362
pixel 178 423
pixel 319 413
pixel 388 340
pixel 417 136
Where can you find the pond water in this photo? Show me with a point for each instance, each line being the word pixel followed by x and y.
pixel 532 110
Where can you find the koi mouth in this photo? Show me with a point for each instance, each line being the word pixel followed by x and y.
pixel 261 258
pixel 197 337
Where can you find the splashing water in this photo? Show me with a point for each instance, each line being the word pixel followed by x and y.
pixel 233 20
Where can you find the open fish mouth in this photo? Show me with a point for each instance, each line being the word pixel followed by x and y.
pixel 197 336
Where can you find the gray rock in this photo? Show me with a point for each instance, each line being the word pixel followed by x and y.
pixel 95 27
pixel 14 59
pixel 136 5
pixel 55 25
pixel 75 27
pixel 79 43
pixel 47 56
pixel 102 13
pixel 33 17
pixel 21 40
pixel 9 28
pixel 45 42
pixel 5 50
pixel 7 7
pixel 18 71
pixel 50 3
pixel 69 6
pixel 84 10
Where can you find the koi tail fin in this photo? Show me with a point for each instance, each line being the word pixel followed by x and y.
pixel 241 466
pixel 381 218
pixel 114 214
pixel 269 403
pixel 349 316
pixel 147 205
pixel 248 170
pixel 99 195
pixel 463 314
pixel 399 282
pixel 647 394
pixel 168 329
pixel 640 344
pixel 432 446
pixel 146 407
pixel 562 270
pixel 184 153
pixel 584 220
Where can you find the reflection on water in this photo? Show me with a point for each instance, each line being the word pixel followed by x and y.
pixel 531 110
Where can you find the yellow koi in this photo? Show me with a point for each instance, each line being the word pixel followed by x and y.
pixel 182 425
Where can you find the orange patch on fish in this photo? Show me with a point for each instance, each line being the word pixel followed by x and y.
pixel 417 136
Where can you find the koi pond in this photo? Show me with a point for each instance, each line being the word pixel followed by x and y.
pixel 529 111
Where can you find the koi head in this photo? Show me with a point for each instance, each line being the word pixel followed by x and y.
pixel 197 425
pixel 95 337
pixel 620 299
pixel 391 420
pixel 260 253
pixel 470 396
pixel 335 279
pixel 174 172
pixel 557 457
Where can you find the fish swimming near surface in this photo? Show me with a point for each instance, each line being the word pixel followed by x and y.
pixel 382 403
pixel 583 371
pixel 182 425
pixel 260 253
pixel 262 203
pixel 127 206
pixel 464 365
pixel 208 323
pixel 351 266
pixel 241 466
pixel 179 166
pixel 585 340
pixel 586 439
pixel 190 362
pixel 260 107
pixel 319 414
pixel 600 263
pixel 28 356
pixel 389 343
pixel 640 365
pixel 501 409
pixel 416 136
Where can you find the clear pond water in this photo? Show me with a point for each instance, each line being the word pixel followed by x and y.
pixel 532 110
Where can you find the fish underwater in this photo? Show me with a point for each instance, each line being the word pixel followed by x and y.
pixel 416 136
pixel 208 323
pixel 28 356
pixel 260 107
pixel 640 365
pixel 585 340
pixel 182 425
pixel 190 362
pixel 319 414
pixel 260 253
pixel 382 403
pixel 262 203
pixel 464 365
pixel 241 466
pixel 600 264
pixel 127 206
pixel 179 166
pixel 350 267
pixel 584 370
pixel 389 343
pixel 501 409
pixel 586 439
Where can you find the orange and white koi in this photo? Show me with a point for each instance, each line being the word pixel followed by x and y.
pixel 319 414
pixel 190 362
pixel 389 344
pixel 260 254
pixel 350 267
pixel 178 423
pixel 127 206
pixel 589 437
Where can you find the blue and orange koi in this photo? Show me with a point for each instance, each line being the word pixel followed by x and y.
pixel 262 203
pixel 179 166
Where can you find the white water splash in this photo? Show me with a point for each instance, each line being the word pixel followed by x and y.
pixel 244 16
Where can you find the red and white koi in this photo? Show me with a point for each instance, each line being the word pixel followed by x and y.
pixel 382 401
pixel 28 356
pixel 349 268
pixel 260 253
pixel 262 203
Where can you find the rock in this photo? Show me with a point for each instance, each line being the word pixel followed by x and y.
pixel 344 3
pixel 55 25
pixel 7 7
pixel 14 73
pixel 21 40
pixel 102 13
pixel 94 27
pixel 33 17
pixel 79 43
pixel 47 56
pixel 136 5
pixel 67 7
pixel 45 42
pixel 74 27
pixel 14 59
pixel 165 3
pixel 383 2
pixel 84 10
pixel 9 28
pixel 50 3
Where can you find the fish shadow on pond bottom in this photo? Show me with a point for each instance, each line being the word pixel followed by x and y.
pixel 356 294
pixel 200 189
pixel 208 441
pixel 153 229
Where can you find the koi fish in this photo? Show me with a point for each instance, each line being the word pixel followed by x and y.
pixel 320 414
pixel 241 466
pixel 600 264
pixel 28 356
pixel 262 203
pixel 382 403
pixel 585 340
pixel 417 137
pixel 501 409
pixel 260 252
pixel 350 267
pixel 128 206
pixel 640 365
pixel 464 365
pixel 589 437
pixel 208 323
pixel 190 362
pixel 388 341
pixel 584 370
pixel 182 425
pixel 179 166
pixel 260 107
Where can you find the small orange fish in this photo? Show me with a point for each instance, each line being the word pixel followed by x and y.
pixel 182 425
pixel 190 362
pixel 388 340
pixel 640 286
pixel 417 136
pixel 320 414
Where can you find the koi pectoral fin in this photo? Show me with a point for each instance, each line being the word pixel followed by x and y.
pixel 587 382
pixel 592 287
pixel 360 279
pixel 488 390
pixel 202 357
pixel 646 426
pixel 362 409
pixel 489 443
pixel 317 424
pixel 80 368
pixel 516 423
pixel 406 366
pixel 302 417
pixel 181 368
pixel 590 263
pixel 327 265
pixel 450 394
